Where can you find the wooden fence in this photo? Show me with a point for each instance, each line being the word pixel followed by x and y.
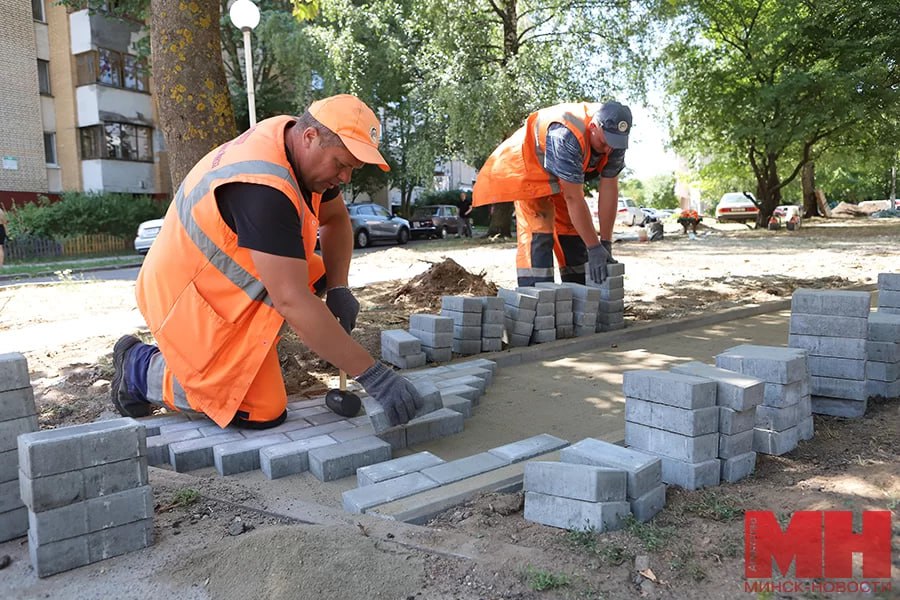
pixel 27 248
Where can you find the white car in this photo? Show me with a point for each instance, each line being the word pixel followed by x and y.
pixel 628 212
pixel 737 206
pixel 146 233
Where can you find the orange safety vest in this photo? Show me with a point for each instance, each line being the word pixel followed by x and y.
pixel 515 170
pixel 200 294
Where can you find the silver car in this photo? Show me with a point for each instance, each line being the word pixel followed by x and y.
pixel 146 233
pixel 373 222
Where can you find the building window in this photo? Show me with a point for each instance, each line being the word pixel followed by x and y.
pixel 50 148
pixel 43 77
pixel 111 68
pixel 37 10
pixel 118 141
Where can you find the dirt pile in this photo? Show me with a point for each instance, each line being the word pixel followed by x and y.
pixel 446 278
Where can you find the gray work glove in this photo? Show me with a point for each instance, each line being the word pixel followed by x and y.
pixel 392 391
pixel 344 306
pixel 598 258
pixel 607 245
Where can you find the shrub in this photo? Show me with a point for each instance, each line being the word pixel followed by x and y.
pixel 83 213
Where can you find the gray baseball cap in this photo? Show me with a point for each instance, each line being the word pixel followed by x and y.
pixel 615 119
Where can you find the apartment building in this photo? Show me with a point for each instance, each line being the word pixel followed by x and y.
pixel 76 111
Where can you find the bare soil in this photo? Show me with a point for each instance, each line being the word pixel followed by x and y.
pixel 691 550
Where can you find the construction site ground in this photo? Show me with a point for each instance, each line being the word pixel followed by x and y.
pixel 247 537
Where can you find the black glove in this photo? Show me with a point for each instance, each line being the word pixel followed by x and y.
pixel 344 306
pixel 598 258
pixel 607 245
pixel 392 391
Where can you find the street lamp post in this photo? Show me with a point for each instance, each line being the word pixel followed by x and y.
pixel 245 16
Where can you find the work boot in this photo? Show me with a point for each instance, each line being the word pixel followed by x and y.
pixel 125 403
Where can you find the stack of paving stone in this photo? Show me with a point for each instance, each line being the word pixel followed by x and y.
pixel 402 349
pixel 17 416
pixel 832 326
pixel 519 314
pixel 674 417
pixel 585 305
pixel 645 491
pixel 544 313
pixel 87 494
pixel 785 416
pixel 435 333
pixel 466 315
pixel 491 324
pixel 565 320
pixel 889 293
pixel 883 355
pixel 381 484
pixel 611 310
pixel 737 397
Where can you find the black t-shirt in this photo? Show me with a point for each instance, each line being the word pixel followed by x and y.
pixel 264 219
pixel 464 207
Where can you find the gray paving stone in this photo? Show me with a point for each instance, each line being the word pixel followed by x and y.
pixel 491 344
pixel 13 372
pixel 889 299
pixel 361 499
pixel 583 330
pixel 643 470
pixel 491 303
pixel 582 292
pixel 565 318
pixel 735 445
pixel 379 418
pixel 9 496
pixel 611 307
pixel 518 328
pixel 542 323
pixel 881 371
pixel 152 424
pixel 691 476
pixel 311 432
pixel 292 423
pixel 833 303
pixel 678 420
pixel 290 458
pixel 430 323
pixel 13 524
pixel 528 448
pixel 772 364
pixel 243 455
pixel 435 425
pixel 397 467
pixel 610 283
pixel 888 310
pixel 610 326
pixel 52 451
pixel 198 453
pixel 319 409
pixel 456 470
pixel 884 327
pixel 493 317
pixel 433 340
pixel 565 332
pixel 883 388
pixel 806 429
pixel 396 437
pixel 123 539
pixel 610 318
pixel 158 445
pixel 516 340
pixel 9 466
pixel 889 281
pixel 888 352
pixel 579 482
pixel 732 421
pixel 512 298
pixel 301 404
pixel 336 461
pixel 467 347
pixel 439 354
pixel 733 390
pixel 186 425
pixel 781 395
pixel 832 387
pixel 465 391
pixel 845 327
pixel 10 431
pixel 544 295
pixel 461 304
pixel 399 341
pixel 674 389
pixel 345 435
pixel 779 419
pixel 615 270
pixel 54 491
pixel 738 467
pixel 563 292
pixel 647 506
pixel 472 319
pixel 17 404
pixel 459 404
pixel 577 515
pixel 838 407
pixel 611 294
pixel 766 441
pixel 480 363
pixel 829 346
pixel 587 306
pixel 543 336
pixel 91 515
pixel 585 320
pixel 665 443
pixel 463 332
pixel 57 557
pixel 543 310
pixel 411 361
pixel 492 331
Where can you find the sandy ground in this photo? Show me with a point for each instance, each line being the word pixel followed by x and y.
pixel 486 549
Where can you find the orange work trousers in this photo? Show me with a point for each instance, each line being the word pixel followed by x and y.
pixel 544 229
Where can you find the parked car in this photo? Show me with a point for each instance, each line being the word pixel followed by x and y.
pixel 737 206
pixel 373 222
pixel 437 220
pixel 650 215
pixel 628 212
pixel 146 233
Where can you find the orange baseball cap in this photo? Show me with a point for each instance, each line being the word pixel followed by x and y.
pixel 353 122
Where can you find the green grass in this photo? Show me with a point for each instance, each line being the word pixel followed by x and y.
pixel 652 536
pixel 714 505
pixel 540 580
pixel 49 266
pixel 185 497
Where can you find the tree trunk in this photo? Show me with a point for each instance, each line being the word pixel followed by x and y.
pixel 195 112
pixel 767 191
pixel 808 184
pixel 501 220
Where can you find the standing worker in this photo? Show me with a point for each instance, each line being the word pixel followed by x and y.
pixel 542 168
pixel 235 260
pixel 465 212
pixel 4 223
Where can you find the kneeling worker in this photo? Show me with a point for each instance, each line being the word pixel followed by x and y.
pixel 235 260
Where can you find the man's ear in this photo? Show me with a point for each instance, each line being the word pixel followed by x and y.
pixel 309 136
